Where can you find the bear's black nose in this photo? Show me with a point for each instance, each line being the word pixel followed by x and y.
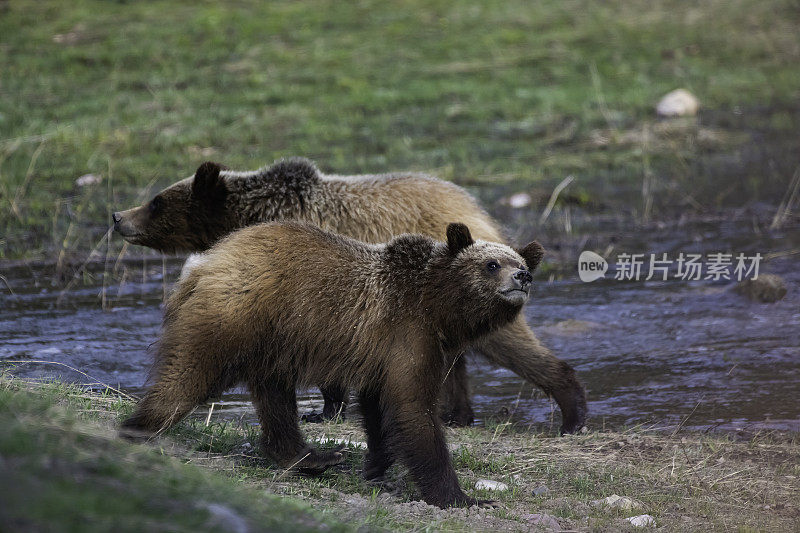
pixel 116 218
pixel 524 277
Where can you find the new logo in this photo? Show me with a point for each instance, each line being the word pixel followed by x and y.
pixel 591 266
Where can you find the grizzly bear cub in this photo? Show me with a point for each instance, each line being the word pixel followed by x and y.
pixel 194 213
pixel 281 304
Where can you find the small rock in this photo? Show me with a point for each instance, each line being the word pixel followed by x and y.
pixel 225 519
pixel 643 520
pixel 542 521
pixel 766 288
pixel 617 502
pixel 487 484
pixel 541 489
pixel 88 179
pixel 678 103
pixel 519 200
pixel 245 448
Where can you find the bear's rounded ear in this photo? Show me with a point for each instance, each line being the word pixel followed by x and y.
pixel 458 237
pixel 207 183
pixel 532 253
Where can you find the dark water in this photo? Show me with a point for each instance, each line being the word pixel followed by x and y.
pixel 648 352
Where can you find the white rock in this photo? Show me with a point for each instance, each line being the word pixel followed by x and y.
pixel 617 502
pixel 643 520
pixel 224 518
pixel 519 200
pixel 487 484
pixel 678 103
pixel 88 179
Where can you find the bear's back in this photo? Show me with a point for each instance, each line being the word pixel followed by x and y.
pixel 368 207
pixel 375 208
pixel 289 271
pixel 315 292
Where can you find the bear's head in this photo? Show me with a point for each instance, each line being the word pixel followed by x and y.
pixel 189 216
pixel 482 285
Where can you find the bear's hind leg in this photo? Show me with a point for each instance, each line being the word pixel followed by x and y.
pixel 378 458
pixel 282 441
pixel 335 397
pixel 170 399
pixel 456 405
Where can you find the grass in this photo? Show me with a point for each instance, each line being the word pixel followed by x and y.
pixel 501 96
pixel 59 445
pixel 63 469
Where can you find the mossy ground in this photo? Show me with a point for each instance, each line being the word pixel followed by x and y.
pixel 63 468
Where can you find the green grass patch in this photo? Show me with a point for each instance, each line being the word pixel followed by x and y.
pixel 63 468
pixel 500 95
pixel 63 471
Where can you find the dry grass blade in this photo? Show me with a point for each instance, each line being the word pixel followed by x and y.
pixel 554 196
pixel 288 469
pixel 103 301
pixel 81 372
pixel 683 422
pixel 76 276
pixel 785 209
pixel 210 411
pixel 5 281
pixel 24 185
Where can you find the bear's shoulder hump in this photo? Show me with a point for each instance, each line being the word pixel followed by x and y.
pixel 292 171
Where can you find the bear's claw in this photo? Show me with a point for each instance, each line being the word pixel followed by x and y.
pixel 316 461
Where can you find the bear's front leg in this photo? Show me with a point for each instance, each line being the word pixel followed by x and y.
pixel 516 347
pixel 413 432
pixel 282 441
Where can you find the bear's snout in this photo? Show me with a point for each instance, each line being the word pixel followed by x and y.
pixel 116 218
pixel 523 278
pixel 124 223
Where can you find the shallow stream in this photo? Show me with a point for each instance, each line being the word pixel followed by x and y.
pixel 657 353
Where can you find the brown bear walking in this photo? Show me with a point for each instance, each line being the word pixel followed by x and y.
pixel 281 304
pixel 193 214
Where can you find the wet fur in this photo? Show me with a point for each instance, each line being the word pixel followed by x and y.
pixel 194 213
pixel 285 304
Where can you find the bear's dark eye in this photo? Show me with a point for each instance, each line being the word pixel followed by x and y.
pixel 492 266
pixel 155 205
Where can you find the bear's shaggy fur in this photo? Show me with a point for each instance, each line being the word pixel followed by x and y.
pixel 281 304
pixel 192 214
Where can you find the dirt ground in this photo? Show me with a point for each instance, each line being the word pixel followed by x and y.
pixel 684 481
